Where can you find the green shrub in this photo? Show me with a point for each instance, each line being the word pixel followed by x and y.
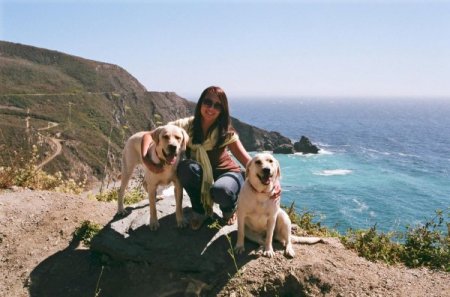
pixel 27 174
pixel 423 245
pixel 373 245
pixel 132 196
pixel 86 232
pixel 306 220
pixel 428 245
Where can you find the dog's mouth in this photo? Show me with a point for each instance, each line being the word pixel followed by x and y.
pixel 265 178
pixel 171 157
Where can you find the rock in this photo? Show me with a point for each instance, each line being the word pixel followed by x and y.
pixel 256 139
pixel 305 146
pixel 284 149
pixel 130 239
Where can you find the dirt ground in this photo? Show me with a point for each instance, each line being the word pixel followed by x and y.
pixel 38 259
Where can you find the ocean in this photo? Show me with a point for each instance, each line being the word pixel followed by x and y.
pixel 383 162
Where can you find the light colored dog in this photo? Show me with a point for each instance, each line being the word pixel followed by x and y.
pixel 169 142
pixel 260 217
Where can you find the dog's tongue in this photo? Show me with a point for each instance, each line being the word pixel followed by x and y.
pixel 265 180
pixel 171 160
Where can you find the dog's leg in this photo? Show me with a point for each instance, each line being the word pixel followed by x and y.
pixel 283 233
pixel 268 249
pixel 154 224
pixel 178 191
pixel 127 171
pixel 239 247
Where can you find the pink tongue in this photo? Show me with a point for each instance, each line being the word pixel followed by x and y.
pixel 171 160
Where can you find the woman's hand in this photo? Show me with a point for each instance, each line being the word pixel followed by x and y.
pixel 276 193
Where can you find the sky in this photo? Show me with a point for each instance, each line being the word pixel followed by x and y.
pixel 258 49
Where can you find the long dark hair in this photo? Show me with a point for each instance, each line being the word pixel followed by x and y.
pixel 223 122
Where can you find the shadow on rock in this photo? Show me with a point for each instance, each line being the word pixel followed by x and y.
pixel 128 259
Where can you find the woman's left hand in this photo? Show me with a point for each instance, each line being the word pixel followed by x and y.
pixel 276 193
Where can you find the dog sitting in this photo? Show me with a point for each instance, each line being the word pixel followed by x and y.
pixel 169 142
pixel 259 217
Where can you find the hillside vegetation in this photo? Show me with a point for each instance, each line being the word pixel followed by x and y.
pixel 90 107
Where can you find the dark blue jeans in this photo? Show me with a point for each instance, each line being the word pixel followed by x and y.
pixel 224 191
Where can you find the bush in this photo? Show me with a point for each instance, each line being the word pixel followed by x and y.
pixel 427 245
pixel 305 220
pixel 86 232
pixel 423 245
pixel 132 196
pixel 373 245
pixel 26 173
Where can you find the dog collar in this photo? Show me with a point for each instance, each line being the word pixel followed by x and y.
pixel 161 161
pixel 256 191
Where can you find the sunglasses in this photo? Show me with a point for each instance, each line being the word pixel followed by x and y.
pixel 209 103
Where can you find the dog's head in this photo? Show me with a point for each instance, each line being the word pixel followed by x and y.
pixel 263 171
pixel 170 141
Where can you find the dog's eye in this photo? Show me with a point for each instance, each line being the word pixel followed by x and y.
pixel 178 137
pixel 258 162
pixel 270 160
pixel 166 136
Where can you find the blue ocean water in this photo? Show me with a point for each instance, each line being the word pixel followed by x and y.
pixel 384 162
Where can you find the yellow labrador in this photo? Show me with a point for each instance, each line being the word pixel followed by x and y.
pixel 260 218
pixel 169 142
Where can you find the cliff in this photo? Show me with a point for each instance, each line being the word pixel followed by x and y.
pixel 89 107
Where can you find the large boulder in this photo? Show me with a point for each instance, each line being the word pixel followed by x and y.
pixel 284 149
pixel 305 146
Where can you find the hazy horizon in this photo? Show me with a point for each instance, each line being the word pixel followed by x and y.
pixel 288 49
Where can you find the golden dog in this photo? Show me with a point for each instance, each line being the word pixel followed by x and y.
pixel 260 217
pixel 169 142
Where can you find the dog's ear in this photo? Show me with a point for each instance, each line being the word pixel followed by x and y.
pixel 155 135
pixel 185 139
pixel 247 168
pixel 278 168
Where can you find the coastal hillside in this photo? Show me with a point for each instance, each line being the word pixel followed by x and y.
pixel 79 112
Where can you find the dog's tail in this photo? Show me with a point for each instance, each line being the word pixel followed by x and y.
pixel 307 240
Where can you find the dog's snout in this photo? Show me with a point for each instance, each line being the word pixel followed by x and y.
pixel 172 148
pixel 266 171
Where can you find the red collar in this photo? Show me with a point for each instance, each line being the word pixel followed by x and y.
pixel 256 191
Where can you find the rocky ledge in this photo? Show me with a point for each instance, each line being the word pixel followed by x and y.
pixel 182 262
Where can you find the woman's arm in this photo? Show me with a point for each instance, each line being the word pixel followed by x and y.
pixel 147 160
pixel 238 150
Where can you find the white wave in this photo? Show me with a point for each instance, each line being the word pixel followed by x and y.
pixel 361 206
pixel 330 172
pixel 325 152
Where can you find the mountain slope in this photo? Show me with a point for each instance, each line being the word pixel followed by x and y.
pixel 91 107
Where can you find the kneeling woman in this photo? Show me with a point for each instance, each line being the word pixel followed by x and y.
pixel 210 174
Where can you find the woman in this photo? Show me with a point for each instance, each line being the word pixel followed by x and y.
pixel 209 174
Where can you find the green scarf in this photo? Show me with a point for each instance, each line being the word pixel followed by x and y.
pixel 200 154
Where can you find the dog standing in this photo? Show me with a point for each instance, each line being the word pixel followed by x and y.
pixel 169 142
pixel 259 217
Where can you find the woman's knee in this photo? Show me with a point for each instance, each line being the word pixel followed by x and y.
pixel 189 172
pixel 222 195
pixel 226 189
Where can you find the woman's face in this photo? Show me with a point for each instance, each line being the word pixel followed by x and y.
pixel 211 108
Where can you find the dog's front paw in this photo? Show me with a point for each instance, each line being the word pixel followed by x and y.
pixel 182 223
pixel 239 249
pixel 289 252
pixel 122 212
pixel 154 225
pixel 269 253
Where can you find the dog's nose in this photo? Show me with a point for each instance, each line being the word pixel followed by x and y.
pixel 172 148
pixel 266 171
